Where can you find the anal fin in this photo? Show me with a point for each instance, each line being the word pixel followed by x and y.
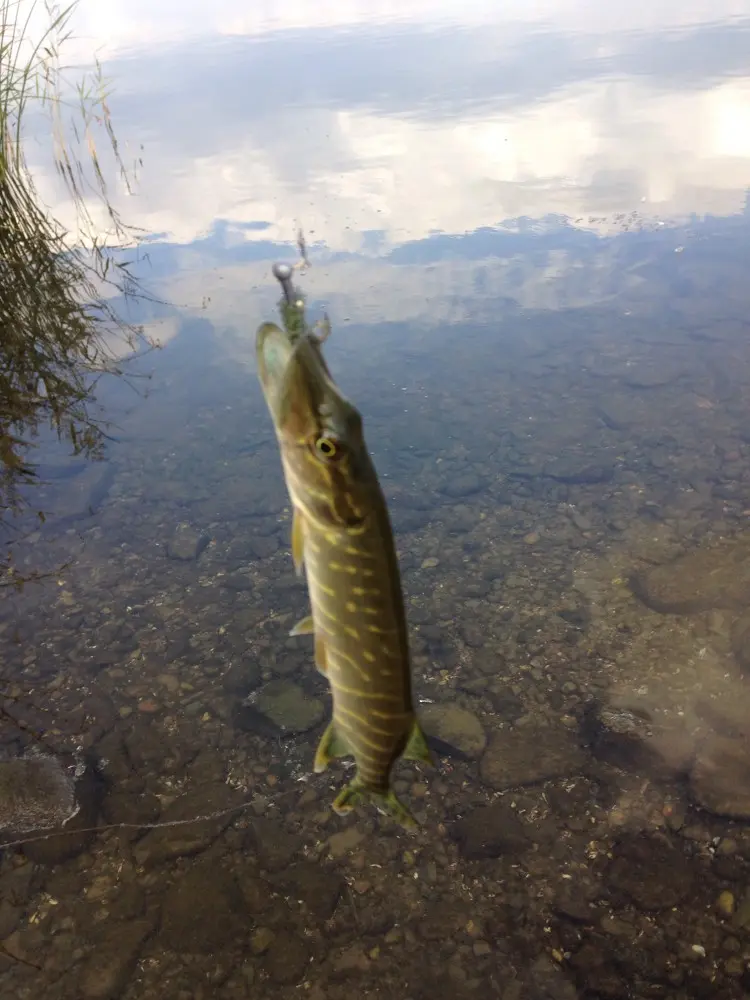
pixel 416 746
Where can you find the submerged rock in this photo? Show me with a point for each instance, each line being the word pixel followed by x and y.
pixel 716 576
pixel 528 755
pixel 76 833
pixel 107 972
pixel 463 485
pixel 720 777
pixel 242 677
pixel 186 543
pixel 204 912
pixel 579 469
pixel 318 887
pixel 546 980
pixel 490 831
pixel 653 873
pixel 287 958
pixel 274 846
pixel 288 707
pixel 169 842
pixel 741 642
pixel 626 737
pixel 82 495
pixel 453 731
pixel 36 793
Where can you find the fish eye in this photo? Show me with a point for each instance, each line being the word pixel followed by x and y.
pixel 326 447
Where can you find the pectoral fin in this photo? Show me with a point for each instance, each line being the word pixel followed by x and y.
pixel 298 541
pixel 304 627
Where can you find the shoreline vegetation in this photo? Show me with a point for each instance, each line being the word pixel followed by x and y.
pixel 59 329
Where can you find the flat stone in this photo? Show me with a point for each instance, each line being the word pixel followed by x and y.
pixel 10 918
pixel 575 909
pixel 287 959
pixel 453 731
pixel 652 873
pixel 107 973
pixel 242 677
pixel 720 776
pixel 204 912
pixel 319 888
pixel 131 808
pixel 186 543
pixel 165 843
pixel 546 979
pixel 36 793
pixel 530 754
pixel 78 832
pixel 617 412
pixel 344 841
pixel 262 546
pixel 507 705
pixel 579 469
pixel 288 707
pixel 626 738
pixel 274 846
pixel 715 576
pixel 490 831
pixel 652 375
pixel 463 485
pixel 81 496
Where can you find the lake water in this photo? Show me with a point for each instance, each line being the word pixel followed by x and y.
pixel 530 229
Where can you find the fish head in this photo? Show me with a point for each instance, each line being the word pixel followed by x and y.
pixel 328 469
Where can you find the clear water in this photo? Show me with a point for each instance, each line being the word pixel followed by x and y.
pixel 529 227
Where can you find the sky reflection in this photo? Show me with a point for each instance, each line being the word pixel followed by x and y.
pixel 414 132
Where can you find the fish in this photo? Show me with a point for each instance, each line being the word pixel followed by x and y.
pixel 343 541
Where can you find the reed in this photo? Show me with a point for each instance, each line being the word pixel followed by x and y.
pixel 59 330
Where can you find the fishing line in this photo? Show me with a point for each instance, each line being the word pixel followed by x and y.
pixel 130 826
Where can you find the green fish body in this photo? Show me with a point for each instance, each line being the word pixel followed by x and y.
pixel 342 537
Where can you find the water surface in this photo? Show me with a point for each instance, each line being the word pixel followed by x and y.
pixel 530 231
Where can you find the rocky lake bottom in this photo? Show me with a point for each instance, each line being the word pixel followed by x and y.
pixel 572 515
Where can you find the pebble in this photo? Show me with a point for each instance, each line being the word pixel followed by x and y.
pixel 289 707
pixel 453 730
pixel 351 960
pixel 725 904
pixel 430 563
pixel 481 948
pixel 532 538
pixel 148 706
pixel 344 841
pixel 261 940
pixel 170 682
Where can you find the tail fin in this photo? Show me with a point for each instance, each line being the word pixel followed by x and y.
pixel 357 793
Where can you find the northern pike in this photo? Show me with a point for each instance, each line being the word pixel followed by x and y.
pixel 342 537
